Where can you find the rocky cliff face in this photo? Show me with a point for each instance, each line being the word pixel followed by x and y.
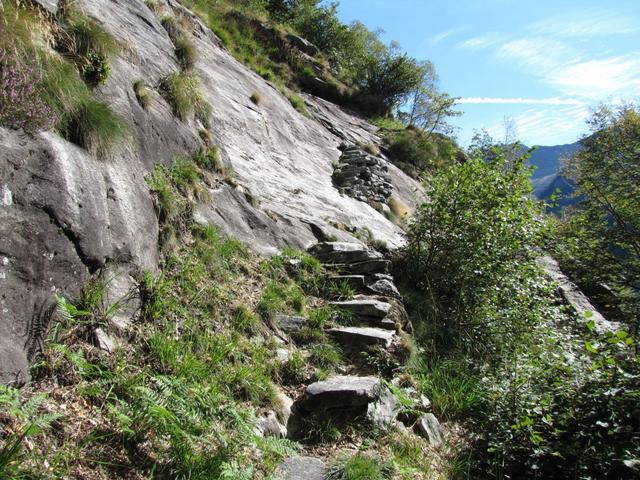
pixel 65 215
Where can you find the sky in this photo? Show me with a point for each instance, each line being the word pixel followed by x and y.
pixel 539 65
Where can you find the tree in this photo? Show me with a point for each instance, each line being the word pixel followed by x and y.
pixel 600 242
pixel 389 76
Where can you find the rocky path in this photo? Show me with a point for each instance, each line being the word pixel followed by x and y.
pixel 377 320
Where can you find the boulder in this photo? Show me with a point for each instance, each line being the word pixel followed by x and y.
pixel 269 426
pixel 341 392
pixel 302 44
pixel 575 298
pixel 384 411
pixel 362 337
pixel 364 308
pixel 15 367
pixel 429 427
pixel 289 323
pixel 283 405
pixel 386 288
pixel 302 468
pixel 104 341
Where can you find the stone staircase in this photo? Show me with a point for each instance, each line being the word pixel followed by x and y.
pixel 376 319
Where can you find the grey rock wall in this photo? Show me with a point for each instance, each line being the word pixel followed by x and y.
pixel 64 215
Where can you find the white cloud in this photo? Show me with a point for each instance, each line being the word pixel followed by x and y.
pixel 519 100
pixel 444 35
pixel 482 41
pixel 537 52
pixel 585 24
pixel 545 123
pixel 598 78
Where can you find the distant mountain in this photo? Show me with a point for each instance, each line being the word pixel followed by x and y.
pixel 547 178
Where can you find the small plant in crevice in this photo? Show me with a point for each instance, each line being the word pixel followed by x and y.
pixel 298 103
pixel 186 52
pixel 203 112
pixel 185 49
pixel 142 93
pixel 182 92
pixel 88 44
pixel 256 98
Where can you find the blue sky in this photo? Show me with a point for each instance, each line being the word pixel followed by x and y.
pixel 542 64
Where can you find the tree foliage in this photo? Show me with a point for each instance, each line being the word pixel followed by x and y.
pixel 601 235
pixel 429 108
pixel 471 247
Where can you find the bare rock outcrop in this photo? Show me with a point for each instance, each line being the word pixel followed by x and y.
pixel 65 215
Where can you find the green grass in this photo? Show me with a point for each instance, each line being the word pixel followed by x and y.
pixel 203 113
pixel 325 355
pixel 85 36
pixel 454 391
pixel 95 127
pixel 298 103
pixel 280 297
pixel 360 467
pixel 182 92
pixel 89 45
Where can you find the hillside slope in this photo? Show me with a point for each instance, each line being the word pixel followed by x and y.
pixel 548 162
pixel 66 214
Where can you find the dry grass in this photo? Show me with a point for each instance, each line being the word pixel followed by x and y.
pixel 400 209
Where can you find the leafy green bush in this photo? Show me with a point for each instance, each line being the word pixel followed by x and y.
pixel 94 126
pixel 471 249
pixel 89 44
pixel 416 152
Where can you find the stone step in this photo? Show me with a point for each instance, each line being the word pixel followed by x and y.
pixel 354 281
pixel 343 252
pixel 341 392
pixel 364 308
pixel 359 338
pixel 290 323
pixel 366 267
pixel 302 468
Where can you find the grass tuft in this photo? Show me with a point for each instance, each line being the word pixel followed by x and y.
pixel 95 127
pixel 182 91
pixel 298 103
pixel 186 52
pixel 256 98
pixel 360 467
pixel 142 93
